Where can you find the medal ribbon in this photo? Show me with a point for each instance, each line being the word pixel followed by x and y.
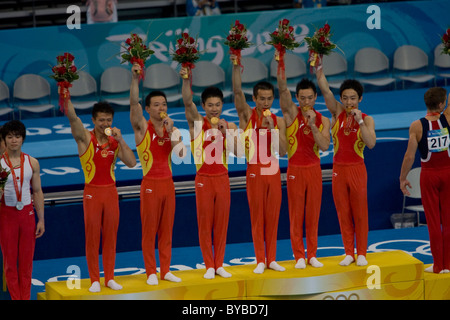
pixel 103 146
pixel 348 123
pixel 9 164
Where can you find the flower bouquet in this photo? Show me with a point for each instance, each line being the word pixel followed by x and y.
pixel 3 177
pixel 186 52
pixel 319 44
pixel 237 40
pixel 64 73
pixel 446 41
pixel 283 39
pixel 137 52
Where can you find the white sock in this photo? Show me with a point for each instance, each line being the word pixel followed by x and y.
pixel 361 261
pixel 152 279
pixel 429 269
pixel 275 266
pixel 223 273
pixel 347 260
pixel 445 271
pixel 209 274
pixel 170 277
pixel 300 264
pixel 315 263
pixel 95 287
pixel 114 285
pixel 260 268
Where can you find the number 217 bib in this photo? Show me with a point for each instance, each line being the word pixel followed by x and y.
pixel 438 140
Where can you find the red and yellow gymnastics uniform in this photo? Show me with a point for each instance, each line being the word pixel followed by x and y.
pixel 435 188
pixel 263 188
pixel 304 184
pixel 212 190
pixel 18 230
pixel 101 206
pixel 157 199
pixel 349 183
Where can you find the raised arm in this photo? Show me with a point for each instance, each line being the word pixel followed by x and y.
pixel 79 132
pixel 332 104
pixel 190 108
pixel 243 109
pixel 288 106
pixel 138 121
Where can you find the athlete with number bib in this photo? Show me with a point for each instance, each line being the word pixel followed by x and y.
pixel 431 136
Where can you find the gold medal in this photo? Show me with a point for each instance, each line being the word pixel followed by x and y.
pixel 163 115
pixel 108 131
pixel 214 120
pixel 267 113
pixel 306 108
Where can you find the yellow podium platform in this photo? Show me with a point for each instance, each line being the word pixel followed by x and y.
pixel 388 275
pixel 437 286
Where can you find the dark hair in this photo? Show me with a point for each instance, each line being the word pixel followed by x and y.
pixel 351 84
pixel 156 93
pixel 212 92
pixel 433 97
pixel 305 84
pixel 263 85
pixel 14 127
pixel 102 106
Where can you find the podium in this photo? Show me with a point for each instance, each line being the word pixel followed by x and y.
pixel 391 275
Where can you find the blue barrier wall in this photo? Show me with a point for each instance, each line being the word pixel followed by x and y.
pixel 64 235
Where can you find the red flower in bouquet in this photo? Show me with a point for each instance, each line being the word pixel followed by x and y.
pixel 237 40
pixel 137 52
pixel 65 72
pixel 186 52
pixel 283 39
pixel 320 44
pixel 446 42
pixel 3 177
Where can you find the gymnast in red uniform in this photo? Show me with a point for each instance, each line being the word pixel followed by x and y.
pixel 98 150
pixel 351 131
pixel 21 197
pixel 210 145
pixel 430 135
pixel 263 172
pixel 156 141
pixel 307 132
